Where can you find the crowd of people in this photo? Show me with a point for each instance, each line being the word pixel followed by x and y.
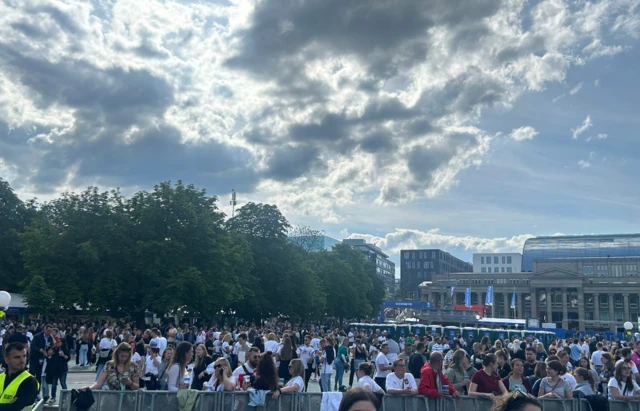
pixel 282 358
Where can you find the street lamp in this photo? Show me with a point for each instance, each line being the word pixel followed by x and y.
pixel 5 300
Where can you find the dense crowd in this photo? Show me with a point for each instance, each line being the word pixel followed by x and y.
pixel 279 357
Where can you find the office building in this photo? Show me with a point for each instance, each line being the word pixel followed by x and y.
pixel 385 268
pixel 497 263
pixel 583 246
pixel 592 294
pixel 417 266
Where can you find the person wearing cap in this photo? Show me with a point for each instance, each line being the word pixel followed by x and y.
pixel 18 388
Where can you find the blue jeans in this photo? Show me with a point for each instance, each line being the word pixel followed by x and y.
pixel 54 384
pixel 45 388
pixel 99 370
pixel 84 349
pixel 339 373
pixel 325 382
pixel 356 363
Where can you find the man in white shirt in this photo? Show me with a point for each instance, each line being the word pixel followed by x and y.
pixel 161 342
pixel 394 349
pixel 306 353
pixel 437 347
pixel 400 382
pixel 596 358
pixel 383 366
pixel 242 372
pixel 351 337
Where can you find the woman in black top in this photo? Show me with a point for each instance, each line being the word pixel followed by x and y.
pixel 259 343
pixel 199 366
pixel 266 376
pixel 284 356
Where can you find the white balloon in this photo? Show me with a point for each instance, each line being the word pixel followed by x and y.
pixel 628 326
pixel 5 299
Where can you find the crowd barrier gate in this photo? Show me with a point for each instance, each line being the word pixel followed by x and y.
pixel 239 401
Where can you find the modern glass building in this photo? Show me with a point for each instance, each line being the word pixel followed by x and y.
pixel 615 245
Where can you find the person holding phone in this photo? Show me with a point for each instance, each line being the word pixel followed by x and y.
pixel 119 373
pixel 222 378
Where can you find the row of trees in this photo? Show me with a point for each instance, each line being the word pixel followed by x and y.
pixel 172 251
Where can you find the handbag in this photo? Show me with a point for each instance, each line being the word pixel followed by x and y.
pixel 83 400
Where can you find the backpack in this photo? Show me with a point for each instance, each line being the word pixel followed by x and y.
pixel 598 402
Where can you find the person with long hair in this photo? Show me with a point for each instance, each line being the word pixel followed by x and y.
pixel 359 399
pixel 586 384
pixel 342 360
pixel 178 367
pixel 258 343
pixel 284 356
pixel 485 344
pixel 266 377
pixel 163 368
pixel 539 373
pixel 365 381
pixel 119 373
pixel 553 386
pixel 516 380
pixel 296 383
pixel 621 386
pixel 541 353
pixel 222 376
pixel 584 363
pixel 202 361
pixel 460 371
pixel 487 382
pixel 516 401
pixel 607 370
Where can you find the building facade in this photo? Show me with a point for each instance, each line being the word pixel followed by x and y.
pixel 583 246
pixel 573 293
pixel 417 266
pixel 497 263
pixel 385 268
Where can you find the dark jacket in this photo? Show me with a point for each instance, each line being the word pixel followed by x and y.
pixel 36 358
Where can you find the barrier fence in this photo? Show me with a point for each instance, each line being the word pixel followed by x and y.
pixel 239 401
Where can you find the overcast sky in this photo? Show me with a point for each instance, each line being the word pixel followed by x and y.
pixel 467 125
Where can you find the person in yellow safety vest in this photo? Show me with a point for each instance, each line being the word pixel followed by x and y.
pixel 19 389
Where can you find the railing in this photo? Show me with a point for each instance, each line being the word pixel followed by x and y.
pixel 239 401
pixel 38 407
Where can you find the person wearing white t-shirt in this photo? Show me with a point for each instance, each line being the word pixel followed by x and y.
pixel 160 341
pixel 296 383
pixel 383 366
pixel 596 357
pixel 306 353
pixel 105 349
pixel 271 344
pixel 364 379
pixel 400 382
pixel 327 358
pixel 150 370
pixel 244 371
pixel 624 388
pixel 351 337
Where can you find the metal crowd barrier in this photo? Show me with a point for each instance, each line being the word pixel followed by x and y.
pixel 239 401
pixel 38 407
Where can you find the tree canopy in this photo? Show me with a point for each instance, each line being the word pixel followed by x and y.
pixel 170 251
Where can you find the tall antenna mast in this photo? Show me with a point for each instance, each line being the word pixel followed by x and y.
pixel 233 203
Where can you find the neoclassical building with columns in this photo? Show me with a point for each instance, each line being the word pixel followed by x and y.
pixel 574 293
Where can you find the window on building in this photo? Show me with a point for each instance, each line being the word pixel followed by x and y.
pixel 495 260
pixel 616 270
pixel 508 259
pixel 406 255
pixel 604 301
pixel 502 270
pixel 587 270
pixel 504 260
pixel 619 316
pixel 496 269
pixel 484 269
pixel 413 255
pixel 604 315
pixel 488 260
pixel 588 300
pixel 603 271
pixel 588 315
pixel 408 264
pixel 509 269
pixel 633 301
pixel 617 301
pixel 481 260
pixel 632 270
pixel 433 254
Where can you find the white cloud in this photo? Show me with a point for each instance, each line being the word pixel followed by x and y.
pixel 523 133
pixel 602 136
pixel 576 89
pixel 561 96
pixel 597 83
pixel 584 164
pixel 403 238
pixel 592 155
pixel 586 125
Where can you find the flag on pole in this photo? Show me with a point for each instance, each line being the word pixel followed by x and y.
pixel 467 297
pixel 513 299
pixel 489 298
pixel 453 290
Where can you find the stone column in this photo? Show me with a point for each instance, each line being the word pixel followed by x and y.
pixel 612 320
pixel 596 308
pixel 534 303
pixel 625 304
pixel 565 314
pixel 549 309
pixel 507 304
pixel 443 297
pixel 520 305
pixel 581 321
pixel 493 310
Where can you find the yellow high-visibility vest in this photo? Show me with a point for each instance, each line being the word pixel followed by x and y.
pixel 7 395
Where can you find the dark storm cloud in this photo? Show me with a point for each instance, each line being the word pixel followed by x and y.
pixel 288 162
pixel 333 127
pixel 378 142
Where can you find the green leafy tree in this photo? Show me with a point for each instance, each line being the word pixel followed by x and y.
pixel 38 295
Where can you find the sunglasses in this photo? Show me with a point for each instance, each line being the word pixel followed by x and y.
pixel 218 366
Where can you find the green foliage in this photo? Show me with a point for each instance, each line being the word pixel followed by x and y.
pixel 170 251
